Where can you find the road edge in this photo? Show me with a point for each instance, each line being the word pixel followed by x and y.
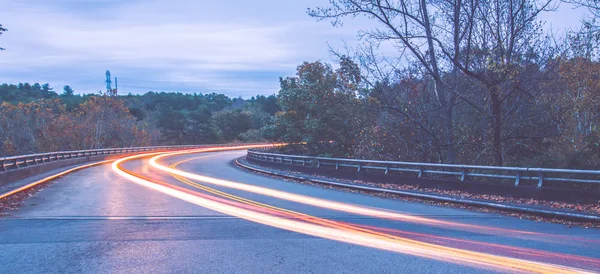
pixel 52 177
pixel 438 198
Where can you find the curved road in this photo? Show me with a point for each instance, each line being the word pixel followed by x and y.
pixel 96 220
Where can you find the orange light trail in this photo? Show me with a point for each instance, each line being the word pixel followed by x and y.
pixel 343 207
pixel 507 250
pixel 400 245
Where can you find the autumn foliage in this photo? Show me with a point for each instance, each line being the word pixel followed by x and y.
pixel 45 125
pixel 549 122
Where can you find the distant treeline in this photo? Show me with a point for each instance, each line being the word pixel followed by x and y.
pixel 35 118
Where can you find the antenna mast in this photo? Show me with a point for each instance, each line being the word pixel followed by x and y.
pixel 109 90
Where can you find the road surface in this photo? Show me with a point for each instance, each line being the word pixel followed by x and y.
pixel 96 220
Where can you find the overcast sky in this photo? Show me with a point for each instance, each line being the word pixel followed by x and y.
pixel 235 47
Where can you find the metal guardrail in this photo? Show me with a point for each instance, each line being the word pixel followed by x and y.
pixel 21 161
pixel 517 174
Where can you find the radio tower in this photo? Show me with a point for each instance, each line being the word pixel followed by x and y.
pixel 109 90
pixel 108 83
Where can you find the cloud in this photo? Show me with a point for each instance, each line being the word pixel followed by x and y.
pixel 238 47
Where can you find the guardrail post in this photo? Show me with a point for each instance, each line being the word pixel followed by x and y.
pixel 359 166
pixel 463 174
pixel 420 172
pixel 2 165
pixel 540 179
pixel 518 178
pixel 318 163
pixel 337 165
pixel 387 169
pixel 303 162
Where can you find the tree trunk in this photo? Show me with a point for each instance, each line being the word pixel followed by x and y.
pixel 446 102
pixel 449 134
pixel 496 106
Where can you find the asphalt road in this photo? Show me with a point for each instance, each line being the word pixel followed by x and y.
pixel 97 221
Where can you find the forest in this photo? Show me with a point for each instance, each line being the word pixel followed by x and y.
pixel 35 118
pixel 469 82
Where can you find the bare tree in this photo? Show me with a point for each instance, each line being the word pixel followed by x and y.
pixel 408 25
pixel 593 6
pixel 482 39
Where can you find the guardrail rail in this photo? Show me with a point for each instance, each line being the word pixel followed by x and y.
pixel 462 172
pixel 22 161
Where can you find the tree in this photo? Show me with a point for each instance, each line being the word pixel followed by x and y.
pixel 230 124
pixel 320 107
pixel 407 123
pixel 409 26
pixel 106 122
pixel 45 125
pixel 574 108
pixel 484 40
pixel 199 127
pixel 68 91
pixel 92 121
pixel 270 105
pixel 172 125
pixel 1 31
pixel 593 6
pixel 138 113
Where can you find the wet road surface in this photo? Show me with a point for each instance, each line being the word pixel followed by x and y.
pixel 97 221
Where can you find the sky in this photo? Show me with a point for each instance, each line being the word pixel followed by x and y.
pixel 235 47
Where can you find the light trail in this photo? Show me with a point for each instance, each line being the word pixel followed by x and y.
pixel 404 246
pixel 396 234
pixel 338 206
pixel 52 177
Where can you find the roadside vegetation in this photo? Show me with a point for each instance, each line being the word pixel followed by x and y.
pixel 34 118
pixel 471 82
